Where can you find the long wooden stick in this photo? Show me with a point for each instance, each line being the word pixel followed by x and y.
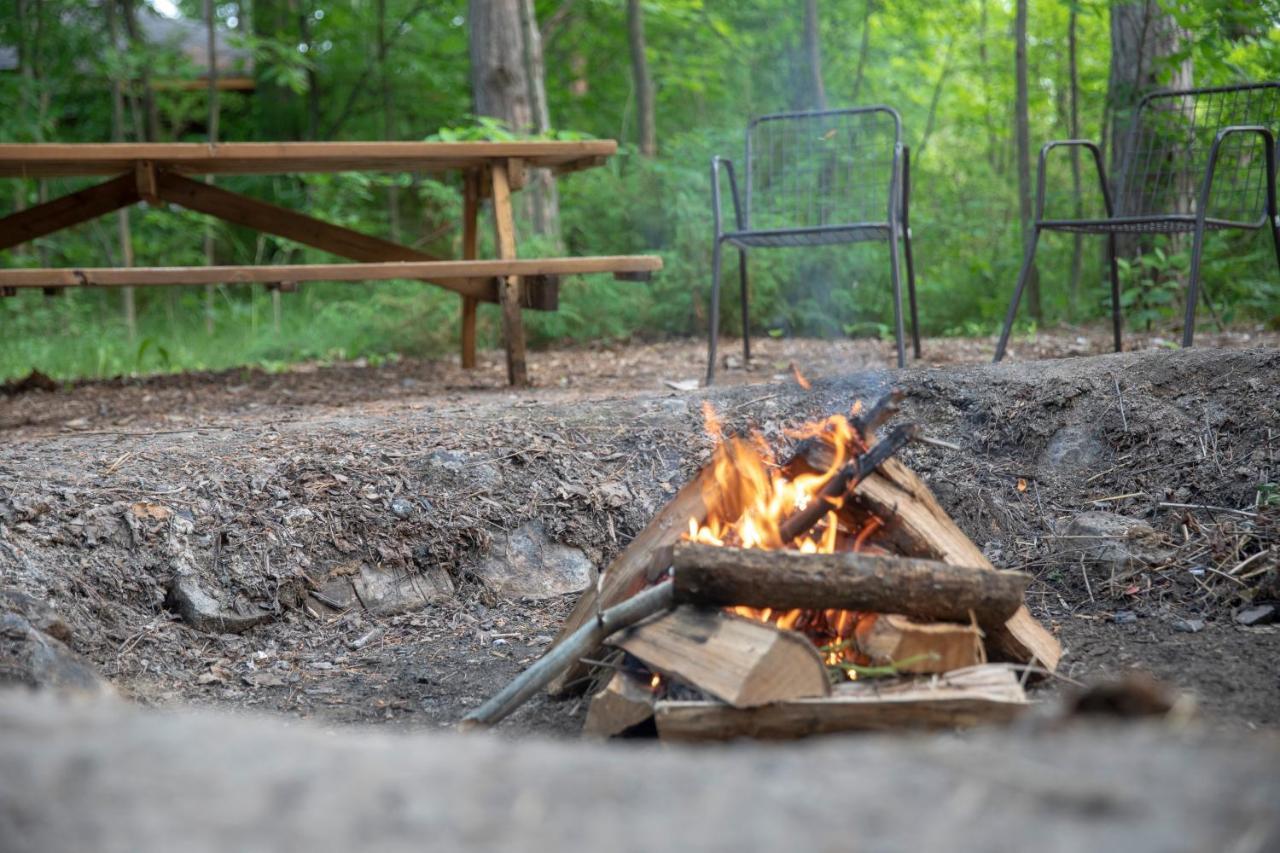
pixel 924 589
pixel 582 641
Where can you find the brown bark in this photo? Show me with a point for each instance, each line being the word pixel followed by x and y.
pixel 924 589
pixel 647 129
pixel 127 301
pixel 1022 133
pixel 210 255
pixel 981 695
pixel 737 660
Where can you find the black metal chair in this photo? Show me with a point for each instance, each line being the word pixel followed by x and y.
pixel 1179 141
pixel 817 179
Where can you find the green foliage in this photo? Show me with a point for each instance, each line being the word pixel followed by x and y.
pixel 947 67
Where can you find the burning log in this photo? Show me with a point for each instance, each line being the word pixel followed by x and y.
pixel 625 702
pixel 917 525
pixel 914 647
pixel 980 695
pixel 833 493
pixel 924 589
pixel 740 661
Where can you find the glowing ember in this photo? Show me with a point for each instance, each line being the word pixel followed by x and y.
pixel 753 495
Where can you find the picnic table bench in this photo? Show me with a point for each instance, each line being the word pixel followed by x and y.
pixel 160 173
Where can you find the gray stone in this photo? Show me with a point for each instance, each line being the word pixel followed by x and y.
pixel 387 592
pixel 1189 626
pixel 526 563
pixel 203 611
pixel 1071 450
pixel 1113 541
pixel 1259 614
pixel 475 469
pixel 1124 617
pixel 31 657
pixel 401 508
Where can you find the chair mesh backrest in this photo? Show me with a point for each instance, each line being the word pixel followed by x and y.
pixel 822 168
pixel 1163 164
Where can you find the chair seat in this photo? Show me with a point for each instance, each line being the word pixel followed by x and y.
pixel 823 235
pixel 1142 225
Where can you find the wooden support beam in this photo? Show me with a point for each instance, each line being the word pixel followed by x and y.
pixel 623 703
pixel 989 694
pixel 470 227
pixel 144 179
pixel 450 271
pixel 737 660
pixel 509 287
pixel 647 556
pixel 917 525
pixel 65 211
pixel 929 590
pixel 282 222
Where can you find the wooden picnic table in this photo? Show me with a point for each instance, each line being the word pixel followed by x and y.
pixel 160 173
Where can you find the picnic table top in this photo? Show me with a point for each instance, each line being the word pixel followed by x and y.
pixel 53 159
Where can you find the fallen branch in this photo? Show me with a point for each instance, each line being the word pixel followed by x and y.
pixel 583 641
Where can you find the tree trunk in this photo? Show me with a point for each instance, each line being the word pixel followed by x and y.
pixel 1144 37
pixel 1073 130
pixel 210 255
pixel 864 48
pixel 151 128
pixel 502 64
pixel 648 134
pixel 118 135
pixel 813 56
pixel 1022 132
pixel 544 198
pixel 388 117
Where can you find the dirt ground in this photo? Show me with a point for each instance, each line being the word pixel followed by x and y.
pixel 270 492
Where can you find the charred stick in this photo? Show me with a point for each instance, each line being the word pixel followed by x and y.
pixel 581 642
pixel 832 495
pixel 875 417
pixel 816 452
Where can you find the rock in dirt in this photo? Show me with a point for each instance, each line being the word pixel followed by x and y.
pixel 475 469
pixel 1113 541
pixel 203 611
pixel 1259 614
pixel 381 590
pixel 1072 449
pixel 32 657
pixel 1189 626
pixel 527 563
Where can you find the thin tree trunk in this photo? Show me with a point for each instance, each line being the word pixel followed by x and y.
pixel 813 56
pixel 137 43
pixel 648 134
pixel 1073 112
pixel 313 76
pixel 211 50
pixel 545 196
pixel 388 117
pixel 118 135
pixel 932 117
pixel 1022 132
pixel 864 48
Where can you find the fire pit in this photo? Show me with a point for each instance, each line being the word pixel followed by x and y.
pixel 780 597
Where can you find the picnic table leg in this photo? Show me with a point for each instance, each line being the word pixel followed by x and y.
pixel 509 286
pixel 470 221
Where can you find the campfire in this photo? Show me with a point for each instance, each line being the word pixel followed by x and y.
pixel 780 595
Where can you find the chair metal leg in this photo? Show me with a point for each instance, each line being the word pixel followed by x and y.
pixel 896 274
pixel 746 307
pixel 1116 319
pixel 713 318
pixel 911 291
pixel 1023 274
pixel 1193 284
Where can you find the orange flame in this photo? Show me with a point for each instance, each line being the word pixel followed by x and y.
pixel 751 495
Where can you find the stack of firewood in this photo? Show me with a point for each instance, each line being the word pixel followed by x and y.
pixel 937 625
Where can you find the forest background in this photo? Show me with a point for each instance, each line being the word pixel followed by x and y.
pixel 980 84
